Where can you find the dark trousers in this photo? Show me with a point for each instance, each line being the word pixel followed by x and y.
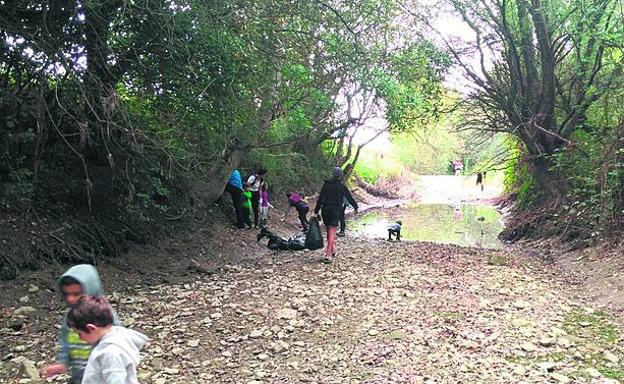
pixel 343 223
pixel 255 204
pixel 237 201
pixel 303 213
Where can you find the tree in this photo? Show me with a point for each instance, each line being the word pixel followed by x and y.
pixel 538 67
pixel 142 98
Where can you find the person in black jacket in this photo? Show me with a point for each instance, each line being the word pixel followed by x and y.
pixel 330 205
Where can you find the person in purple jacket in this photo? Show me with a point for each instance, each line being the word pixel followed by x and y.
pixel 295 200
pixel 264 205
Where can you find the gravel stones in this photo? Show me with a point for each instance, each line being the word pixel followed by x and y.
pixel 383 313
pixel 286 314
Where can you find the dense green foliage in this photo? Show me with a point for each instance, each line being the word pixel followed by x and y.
pixel 549 74
pixel 146 98
pixel 550 64
pixel 135 108
pixel 129 109
pixel 430 147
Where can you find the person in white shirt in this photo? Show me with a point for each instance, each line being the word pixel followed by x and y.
pixel 115 355
pixel 255 181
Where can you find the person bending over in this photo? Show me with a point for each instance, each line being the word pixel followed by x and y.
pixel 395 229
pixel 295 200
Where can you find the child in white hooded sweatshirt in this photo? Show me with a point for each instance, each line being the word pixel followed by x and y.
pixel 115 355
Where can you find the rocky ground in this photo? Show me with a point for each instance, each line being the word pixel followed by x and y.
pixel 382 313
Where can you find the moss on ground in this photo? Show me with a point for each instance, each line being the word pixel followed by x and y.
pixel 594 332
pixel 497 260
pixel 595 327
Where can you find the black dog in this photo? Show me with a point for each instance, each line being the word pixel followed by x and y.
pixel 395 229
pixel 295 243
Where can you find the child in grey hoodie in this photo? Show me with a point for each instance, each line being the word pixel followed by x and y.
pixel 115 355
pixel 77 281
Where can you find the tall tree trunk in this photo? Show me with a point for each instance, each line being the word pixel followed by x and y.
pixel 209 190
pixel 41 135
pixel 348 168
pixel 551 184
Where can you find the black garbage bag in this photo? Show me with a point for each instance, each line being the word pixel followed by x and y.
pixel 294 243
pixel 314 238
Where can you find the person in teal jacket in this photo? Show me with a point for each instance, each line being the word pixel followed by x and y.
pixel 234 187
pixel 76 282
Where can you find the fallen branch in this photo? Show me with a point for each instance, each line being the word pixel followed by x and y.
pixel 374 190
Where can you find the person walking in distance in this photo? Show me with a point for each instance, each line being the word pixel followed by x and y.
pixel 480 180
pixel 458 166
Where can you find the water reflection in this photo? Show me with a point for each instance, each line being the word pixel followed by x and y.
pixel 468 225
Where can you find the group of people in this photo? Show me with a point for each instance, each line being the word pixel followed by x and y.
pixel 251 199
pixel 95 349
pixel 458 166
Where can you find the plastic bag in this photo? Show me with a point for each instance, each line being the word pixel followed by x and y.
pixel 278 243
pixel 314 238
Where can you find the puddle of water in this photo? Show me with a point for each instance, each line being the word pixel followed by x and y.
pixel 467 225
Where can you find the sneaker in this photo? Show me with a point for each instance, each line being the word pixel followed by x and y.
pixel 326 260
pixel 340 234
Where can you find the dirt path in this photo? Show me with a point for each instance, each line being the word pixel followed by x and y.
pixel 383 313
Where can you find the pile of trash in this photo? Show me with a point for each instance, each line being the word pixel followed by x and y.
pixel 312 239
